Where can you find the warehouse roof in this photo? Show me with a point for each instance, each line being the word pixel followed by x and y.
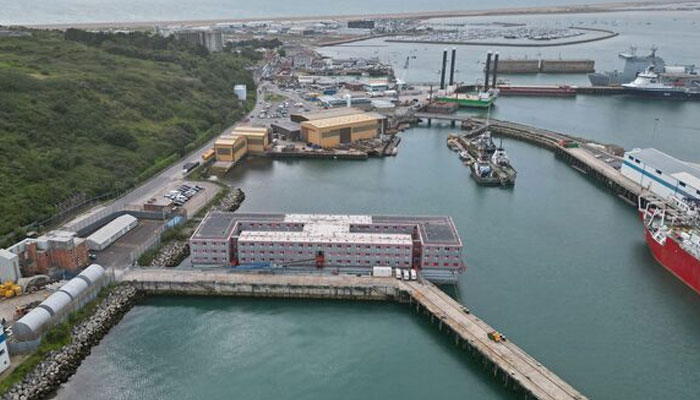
pixel 250 131
pixel 325 237
pixel 433 229
pixel 108 231
pixel 216 224
pixel 667 164
pixel 328 218
pixel 328 113
pixel 228 140
pixel 342 120
pixel 6 254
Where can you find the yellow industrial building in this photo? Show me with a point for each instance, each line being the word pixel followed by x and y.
pixel 230 148
pixel 330 132
pixel 257 139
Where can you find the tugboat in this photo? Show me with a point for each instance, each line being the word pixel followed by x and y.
pixel 491 166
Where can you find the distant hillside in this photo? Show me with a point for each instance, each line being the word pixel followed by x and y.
pixel 84 114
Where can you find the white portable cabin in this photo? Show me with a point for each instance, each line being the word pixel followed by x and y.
pixel 109 233
pixel 662 174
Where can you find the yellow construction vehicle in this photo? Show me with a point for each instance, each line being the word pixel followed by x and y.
pixel 496 337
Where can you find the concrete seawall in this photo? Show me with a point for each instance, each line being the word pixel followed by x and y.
pixel 518 371
pixel 344 287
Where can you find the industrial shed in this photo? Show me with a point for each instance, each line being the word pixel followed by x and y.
pixel 70 297
pixel 109 233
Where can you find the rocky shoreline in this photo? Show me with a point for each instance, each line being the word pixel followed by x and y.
pixel 59 365
pixel 172 253
pixel 231 201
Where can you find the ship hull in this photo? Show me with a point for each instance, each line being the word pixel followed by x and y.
pixel 664 94
pixel 676 260
pixel 469 103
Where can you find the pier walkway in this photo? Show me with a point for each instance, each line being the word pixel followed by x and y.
pixel 517 370
pixel 505 360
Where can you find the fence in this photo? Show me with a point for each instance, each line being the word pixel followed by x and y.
pixel 155 239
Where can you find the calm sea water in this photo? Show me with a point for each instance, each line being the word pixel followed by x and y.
pixel 66 11
pixel 557 263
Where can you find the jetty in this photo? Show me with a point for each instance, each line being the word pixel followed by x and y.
pixel 598 161
pixel 508 363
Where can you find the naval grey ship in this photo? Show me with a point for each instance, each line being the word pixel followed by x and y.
pixel 634 64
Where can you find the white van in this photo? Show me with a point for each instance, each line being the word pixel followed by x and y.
pixel 414 275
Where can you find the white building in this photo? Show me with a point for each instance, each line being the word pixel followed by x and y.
pixel 9 266
pixel 111 232
pixel 240 91
pixel 662 174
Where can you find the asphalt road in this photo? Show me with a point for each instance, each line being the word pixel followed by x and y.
pixel 174 172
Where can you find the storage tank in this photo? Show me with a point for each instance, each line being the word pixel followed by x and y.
pixel 74 287
pixel 56 303
pixel 92 274
pixel 31 326
pixel 240 91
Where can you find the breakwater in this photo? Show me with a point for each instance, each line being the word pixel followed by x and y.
pixel 606 34
pixel 59 365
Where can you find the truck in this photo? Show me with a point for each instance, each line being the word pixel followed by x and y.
pixel 207 155
pixel 188 167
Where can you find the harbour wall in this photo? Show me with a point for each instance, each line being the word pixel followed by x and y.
pixel 545 66
pixel 578 158
pixel 506 362
pixel 509 364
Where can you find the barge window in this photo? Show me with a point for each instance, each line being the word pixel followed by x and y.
pixel 630 157
pixel 658 171
pixel 637 160
pixel 681 183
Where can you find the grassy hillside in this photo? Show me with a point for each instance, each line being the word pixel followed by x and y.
pixel 85 114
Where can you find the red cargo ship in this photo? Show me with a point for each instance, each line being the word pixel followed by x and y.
pixel 673 237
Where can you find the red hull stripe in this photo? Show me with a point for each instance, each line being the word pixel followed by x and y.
pixel 675 259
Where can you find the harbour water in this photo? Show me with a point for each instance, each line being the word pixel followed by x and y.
pixel 557 263
pixel 69 11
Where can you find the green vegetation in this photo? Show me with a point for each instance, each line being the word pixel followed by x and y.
pixel 54 339
pixel 274 97
pixel 85 114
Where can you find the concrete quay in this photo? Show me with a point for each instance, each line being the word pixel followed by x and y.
pixel 511 365
pixel 588 158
